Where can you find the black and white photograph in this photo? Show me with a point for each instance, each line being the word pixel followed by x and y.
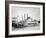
pixel 25 19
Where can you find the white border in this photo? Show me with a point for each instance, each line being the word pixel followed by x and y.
pixel 32 32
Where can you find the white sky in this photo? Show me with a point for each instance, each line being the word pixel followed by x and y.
pixel 33 12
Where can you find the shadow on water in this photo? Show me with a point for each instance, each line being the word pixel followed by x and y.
pixel 18 26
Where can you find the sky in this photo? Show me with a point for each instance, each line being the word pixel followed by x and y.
pixel 33 12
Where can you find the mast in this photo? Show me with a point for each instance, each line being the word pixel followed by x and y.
pixel 27 15
pixel 22 19
pixel 17 20
pixel 24 16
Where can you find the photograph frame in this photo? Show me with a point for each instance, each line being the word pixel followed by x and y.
pixel 7 18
